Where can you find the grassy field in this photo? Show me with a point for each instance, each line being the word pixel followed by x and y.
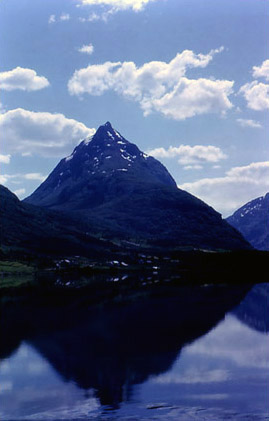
pixel 15 274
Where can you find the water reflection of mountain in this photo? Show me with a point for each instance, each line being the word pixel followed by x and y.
pixel 111 348
pixel 253 310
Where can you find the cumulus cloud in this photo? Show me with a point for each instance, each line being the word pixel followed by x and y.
pixel 29 132
pixel 52 19
pixel 93 17
pixel 249 123
pixel 23 79
pixel 193 97
pixel 261 71
pixel 86 49
pixel 157 85
pixel 237 187
pixel 64 17
pixel 4 159
pixel 15 182
pixel 10 180
pixel 20 192
pixel 2 108
pixel 116 5
pixel 34 176
pixel 256 94
pixel 192 157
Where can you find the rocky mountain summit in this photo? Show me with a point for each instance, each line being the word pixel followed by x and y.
pixel 122 193
pixel 87 173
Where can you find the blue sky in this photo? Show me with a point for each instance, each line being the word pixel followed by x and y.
pixel 186 80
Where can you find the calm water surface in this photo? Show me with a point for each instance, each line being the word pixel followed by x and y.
pixel 200 354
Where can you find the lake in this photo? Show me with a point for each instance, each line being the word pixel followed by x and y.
pixel 190 353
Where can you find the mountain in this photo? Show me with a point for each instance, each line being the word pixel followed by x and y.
pixel 30 228
pixel 121 193
pixel 252 220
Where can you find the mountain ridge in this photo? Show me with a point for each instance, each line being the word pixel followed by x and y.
pixel 252 220
pixel 28 228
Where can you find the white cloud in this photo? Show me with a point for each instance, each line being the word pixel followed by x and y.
pixel 249 123
pixel 34 176
pixel 192 157
pixel 256 94
pixel 23 79
pixel 237 187
pixel 193 97
pixel 2 108
pixel 116 5
pixel 20 192
pixel 12 180
pixel 4 159
pixel 29 132
pixel 87 49
pixel 157 85
pixel 93 17
pixel 64 17
pixel 262 71
pixel 192 167
pixel 52 19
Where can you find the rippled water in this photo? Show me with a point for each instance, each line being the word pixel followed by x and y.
pixel 196 354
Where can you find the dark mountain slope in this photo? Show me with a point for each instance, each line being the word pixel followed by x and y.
pixel 252 220
pixel 38 230
pixel 125 194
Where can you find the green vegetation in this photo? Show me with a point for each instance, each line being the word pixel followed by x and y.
pixel 15 275
pixel 7 268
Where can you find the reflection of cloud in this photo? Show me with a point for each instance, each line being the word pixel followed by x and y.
pixel 236 342
pixel 209 396
pixel 56 399
pixel 36 367
pixel 193 375
pixel 6 386
pixel 4 366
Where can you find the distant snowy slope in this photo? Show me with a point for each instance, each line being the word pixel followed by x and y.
pixel 252 220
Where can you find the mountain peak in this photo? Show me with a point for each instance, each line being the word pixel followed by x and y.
pixel 122 192
pixel 105 132
pixel 106 157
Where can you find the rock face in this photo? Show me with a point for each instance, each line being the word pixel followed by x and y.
pixel 120 192
pixel 252 220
